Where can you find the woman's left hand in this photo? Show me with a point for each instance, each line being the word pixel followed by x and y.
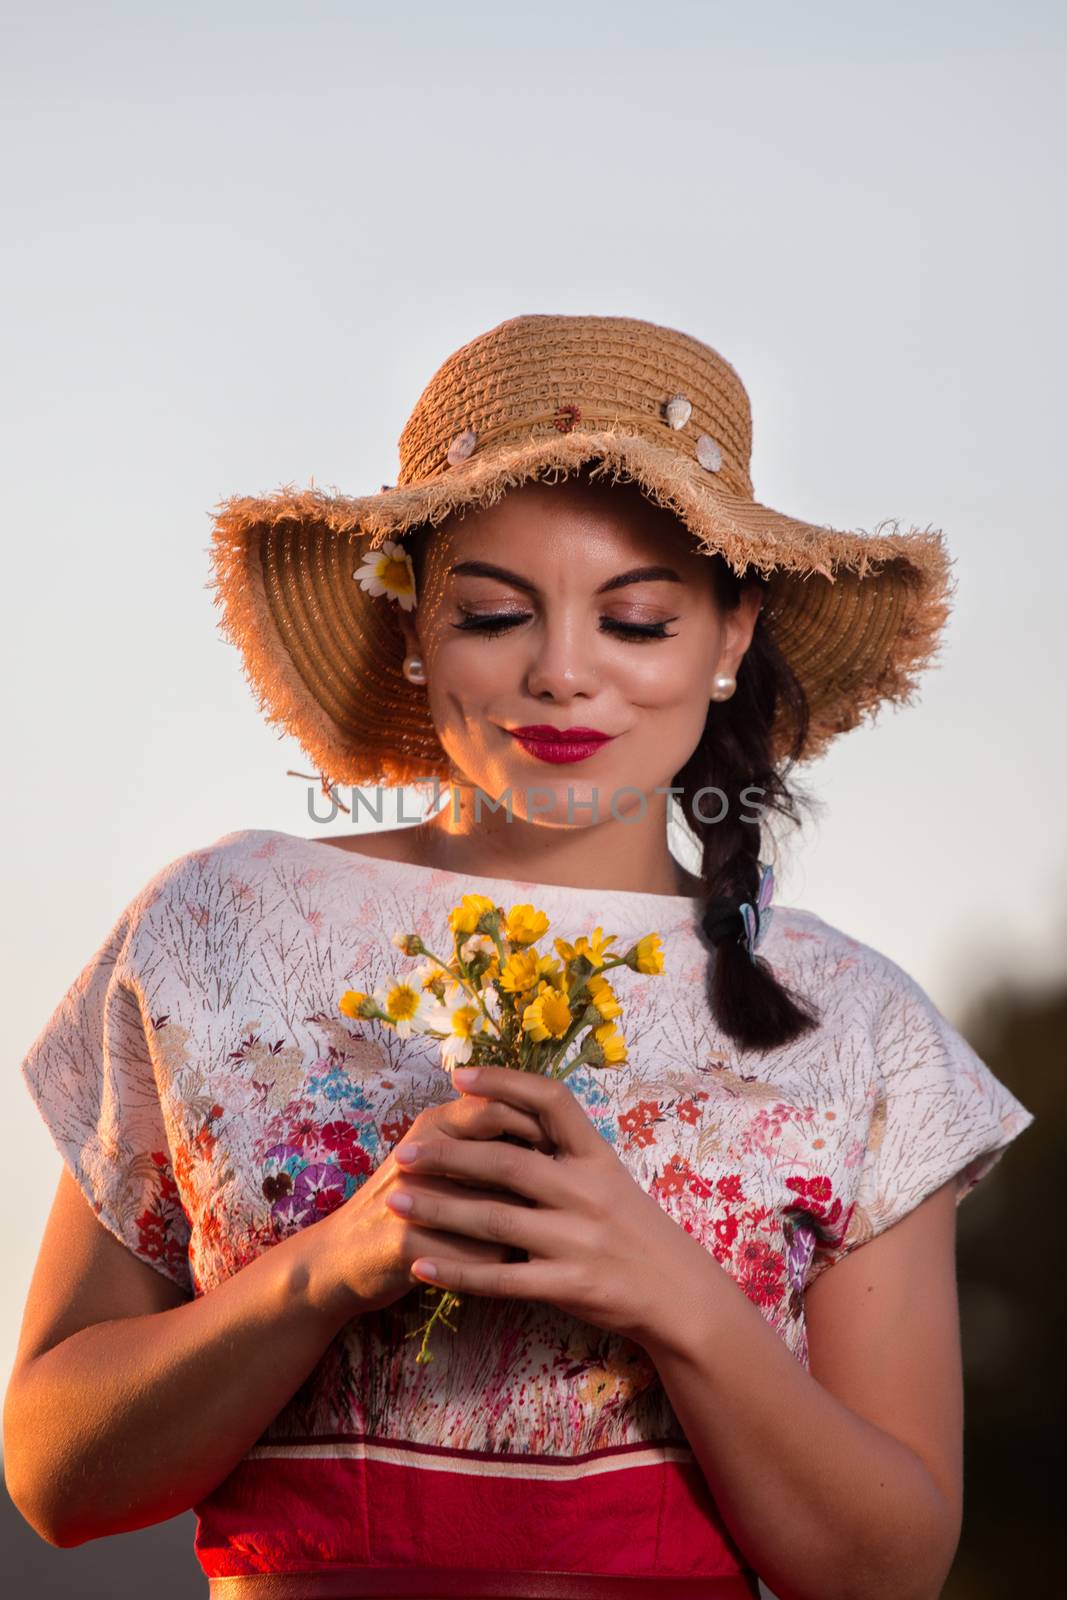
pixel 598 1246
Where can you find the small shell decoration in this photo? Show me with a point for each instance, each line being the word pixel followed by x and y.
pixel 567 418
pixel 462 446
pixel 679 410
pixel 388 571
pixel 708 453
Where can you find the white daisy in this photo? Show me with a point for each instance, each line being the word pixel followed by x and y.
pixel 459 1020
pixel 408 1004
pixel 389 571
pixel 428 972
pixel 479 944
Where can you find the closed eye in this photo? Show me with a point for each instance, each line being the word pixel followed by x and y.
pixel 636 631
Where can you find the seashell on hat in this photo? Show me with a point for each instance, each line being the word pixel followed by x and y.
pixel 858 615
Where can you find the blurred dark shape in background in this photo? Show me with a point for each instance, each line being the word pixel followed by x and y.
pixel 1009 1268
pixel 153 1562
pixel 1009 1278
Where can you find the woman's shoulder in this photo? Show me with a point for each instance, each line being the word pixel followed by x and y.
pixel 801 939
pixel 865 996
pixel 229 848
pixel 206 874
pixel 258 849
pixel 860 991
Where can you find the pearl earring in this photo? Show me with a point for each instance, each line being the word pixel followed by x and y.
pixel 413 669
pixel 722 686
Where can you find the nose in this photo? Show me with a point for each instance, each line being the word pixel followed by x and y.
pixel 564 666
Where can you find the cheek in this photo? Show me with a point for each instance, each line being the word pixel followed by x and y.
pixel 666 678
pixel 466 688
pixel 471 671
pixel 477 673
pixel 669 701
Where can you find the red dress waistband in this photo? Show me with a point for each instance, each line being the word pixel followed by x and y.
pixel 459 1583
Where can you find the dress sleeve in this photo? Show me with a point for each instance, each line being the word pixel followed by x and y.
pixel 91 1075
pixel 934 1112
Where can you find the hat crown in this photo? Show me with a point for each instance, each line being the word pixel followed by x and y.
pixel 535 374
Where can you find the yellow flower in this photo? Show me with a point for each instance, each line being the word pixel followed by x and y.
pixel 351 1001
pixel 547 1017
pixel 524 925
pixel 549 968
pixel 603 996
pixel 649 955
pixel 464 917
pixel 594 949
pixel 525 970
pixel 519 972
pixel 612 1043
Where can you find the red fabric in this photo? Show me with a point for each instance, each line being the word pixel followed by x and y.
pixel 463 1583
pixel 289 1515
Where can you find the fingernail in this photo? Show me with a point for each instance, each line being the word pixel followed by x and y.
pixel 406 1152
pixel 465 1076
pixel 426 1269
pixel 401 1202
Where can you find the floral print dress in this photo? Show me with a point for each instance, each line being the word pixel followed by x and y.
pixel 210 1099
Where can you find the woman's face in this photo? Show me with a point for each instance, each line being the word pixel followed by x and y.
pixel 571 606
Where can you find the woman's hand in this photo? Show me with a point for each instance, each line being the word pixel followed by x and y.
pixel 598 1246
pixel 359 1257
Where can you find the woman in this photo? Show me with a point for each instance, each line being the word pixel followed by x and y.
pixel 654 1385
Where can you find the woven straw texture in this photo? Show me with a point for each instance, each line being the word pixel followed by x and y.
pixel 859 616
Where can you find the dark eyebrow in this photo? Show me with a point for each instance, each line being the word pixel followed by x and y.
pixel 486 569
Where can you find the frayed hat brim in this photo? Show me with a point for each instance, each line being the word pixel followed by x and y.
pixel 858 615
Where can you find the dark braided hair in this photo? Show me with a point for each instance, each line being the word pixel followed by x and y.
pixel 733 756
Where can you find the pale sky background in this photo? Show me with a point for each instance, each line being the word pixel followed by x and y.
pixel 239 239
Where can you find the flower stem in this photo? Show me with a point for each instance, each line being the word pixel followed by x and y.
pixel 446 1303
pixel 472 989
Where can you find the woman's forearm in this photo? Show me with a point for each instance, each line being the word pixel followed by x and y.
pixel 823 1504
pixel 130 1421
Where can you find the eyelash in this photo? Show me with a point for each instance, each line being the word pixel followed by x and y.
pixel 634 631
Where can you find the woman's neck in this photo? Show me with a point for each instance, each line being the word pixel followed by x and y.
pixel 612 854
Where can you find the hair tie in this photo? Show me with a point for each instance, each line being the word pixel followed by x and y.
pixel 725 920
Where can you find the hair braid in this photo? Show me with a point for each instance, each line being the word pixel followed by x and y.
pixel 733 760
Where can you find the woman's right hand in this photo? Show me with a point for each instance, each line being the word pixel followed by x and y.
pixel 360 1256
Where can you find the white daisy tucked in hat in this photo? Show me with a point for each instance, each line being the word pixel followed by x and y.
pixel 389 571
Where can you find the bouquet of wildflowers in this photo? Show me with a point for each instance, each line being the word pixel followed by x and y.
pixel 497 999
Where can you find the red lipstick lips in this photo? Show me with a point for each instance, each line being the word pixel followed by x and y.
pixel 560 744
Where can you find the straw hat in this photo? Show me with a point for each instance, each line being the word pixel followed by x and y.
pixel 857 615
